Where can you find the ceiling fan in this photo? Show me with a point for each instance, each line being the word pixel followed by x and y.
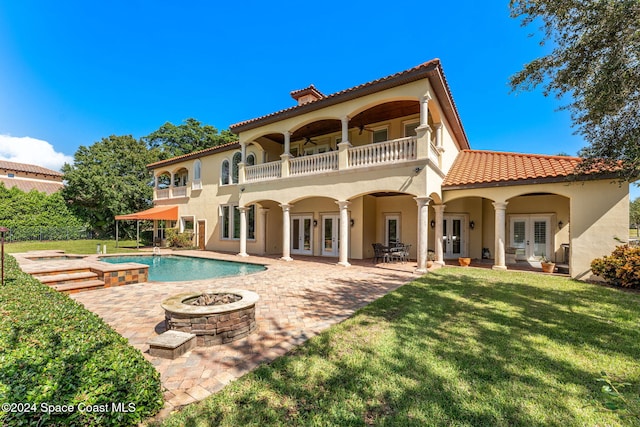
pixel 363 128
pixel 309 140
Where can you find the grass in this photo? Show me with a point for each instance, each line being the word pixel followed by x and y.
pixel 464 347
pixel 71 246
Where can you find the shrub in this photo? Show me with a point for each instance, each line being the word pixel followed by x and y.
pixel 55 352
pixel 179 240
pixel 621 268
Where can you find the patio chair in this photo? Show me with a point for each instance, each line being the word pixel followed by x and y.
pixel 380 252
pixel 401 253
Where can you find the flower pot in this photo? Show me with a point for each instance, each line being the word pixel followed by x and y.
pixel 548 267
pixel 464 262
pixel 429 264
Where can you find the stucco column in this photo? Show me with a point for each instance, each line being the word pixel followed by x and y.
pixel 243 231
pixel 424 130
pixel 424 109
pixel 344 233
pixel 438 128
pixel 286 233
pixel 423 232
pixel 345 130
pixel 500 225
pixel 263 229
pixel 439 237
pixel 284 172
pixel 344 145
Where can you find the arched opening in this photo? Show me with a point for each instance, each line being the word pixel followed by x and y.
pixel 235 161
pixel 224 172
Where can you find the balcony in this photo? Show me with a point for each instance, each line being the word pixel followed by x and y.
pixel 171 192
pixel 394 151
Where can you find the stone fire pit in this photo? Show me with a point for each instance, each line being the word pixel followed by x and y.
pixel 219 323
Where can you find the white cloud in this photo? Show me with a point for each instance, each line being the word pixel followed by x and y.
pixel 32 151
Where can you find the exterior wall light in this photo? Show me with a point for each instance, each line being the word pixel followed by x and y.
pixel 353 222
pixel 560 224
pixel 472 225
pixel 315 222
pixel 433 223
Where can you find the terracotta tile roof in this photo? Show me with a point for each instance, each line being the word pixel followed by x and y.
pixel 485 168
pixel 26 185
pixel 311 89
pixel 194 155
pixel 431 69
pixel 24 167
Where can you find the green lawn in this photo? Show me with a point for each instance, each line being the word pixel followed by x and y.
pixel 463 347
pixel 71 246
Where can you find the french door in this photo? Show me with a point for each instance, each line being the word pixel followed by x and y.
pixel 531 236
pixel 330 235
pixel 302 234
pixel 454 236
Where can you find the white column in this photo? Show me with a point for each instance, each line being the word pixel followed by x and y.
pixel 423 232
pixel 424 109
pixel 286 233
pixel 439 237
pixel 263 229
pixel 243 152
pixel 344 233
pixel 439 146
pixel 345 130
pixel 500 225
pixel 243 231
pixel 287 143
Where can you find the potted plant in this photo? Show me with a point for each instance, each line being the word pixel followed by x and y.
pixel 510 254
pixel 547 266
pixel 464 261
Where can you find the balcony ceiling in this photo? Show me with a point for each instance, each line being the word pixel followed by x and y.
pixel 379 113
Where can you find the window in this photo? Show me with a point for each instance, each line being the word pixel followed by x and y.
pixel 316 150
pixel 230 223
pixel 11 175
pixel 410 129
pixel 196 169
pixel 180 178
pixel 237 158
pixel 251 160
pixel 380 135
pixel 224 173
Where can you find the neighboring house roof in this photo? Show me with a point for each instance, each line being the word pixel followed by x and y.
pixel 476 168
pixel 431 70
pixel 27 185
pixel 23 167
pixel 194 155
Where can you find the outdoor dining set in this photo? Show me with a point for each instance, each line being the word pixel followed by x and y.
pixel 393 252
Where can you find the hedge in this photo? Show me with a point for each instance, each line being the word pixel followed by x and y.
pixel 62 365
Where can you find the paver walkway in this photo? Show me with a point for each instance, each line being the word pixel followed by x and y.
pixel 298 299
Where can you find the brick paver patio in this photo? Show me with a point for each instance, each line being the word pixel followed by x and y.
pixel 298 299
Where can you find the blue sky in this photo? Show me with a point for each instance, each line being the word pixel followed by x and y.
pixel 73 72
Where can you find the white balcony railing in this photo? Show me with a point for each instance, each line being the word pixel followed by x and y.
pixel 263 172
pixel 401 149
pixel 314 163
pixel 162 193
pixel 179 191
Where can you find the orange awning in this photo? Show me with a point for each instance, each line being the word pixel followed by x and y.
pixel 160 212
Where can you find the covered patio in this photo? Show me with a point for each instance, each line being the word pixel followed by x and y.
pixel 158 213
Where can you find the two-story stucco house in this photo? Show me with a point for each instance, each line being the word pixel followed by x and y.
pixel 386 161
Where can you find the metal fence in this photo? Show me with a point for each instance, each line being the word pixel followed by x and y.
pixel 20 234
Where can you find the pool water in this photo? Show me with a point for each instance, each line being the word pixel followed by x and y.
pixel 168 268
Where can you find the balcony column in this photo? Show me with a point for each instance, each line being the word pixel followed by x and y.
pixel 424 130
pixel 286 232
pixel 263 229
pixel 171 184
pixel 243 161
pixel 439 146
pixel 439 233
pixel 500 225
pixel 243 231
pixel 286 154
pixel 343 146
pixel 423 232
pixel 343 243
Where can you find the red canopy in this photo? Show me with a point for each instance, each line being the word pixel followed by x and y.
pixel 159 212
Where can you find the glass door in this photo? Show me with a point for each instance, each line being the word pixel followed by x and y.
pixel 301 234
pixel 330 233
pixel 530 236
pixel 453 236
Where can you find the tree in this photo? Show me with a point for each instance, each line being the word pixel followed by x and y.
pixel 596 61
pixel 171 140
pixel 109 178
pixel 634 215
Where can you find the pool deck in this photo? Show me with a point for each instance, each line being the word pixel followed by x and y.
pixel 298 300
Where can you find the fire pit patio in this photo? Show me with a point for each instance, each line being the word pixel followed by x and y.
pixel 219 323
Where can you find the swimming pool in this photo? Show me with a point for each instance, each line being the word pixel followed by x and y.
pixel 169 268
